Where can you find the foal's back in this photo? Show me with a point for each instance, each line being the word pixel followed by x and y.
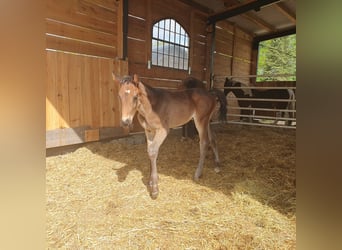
pixel 176 108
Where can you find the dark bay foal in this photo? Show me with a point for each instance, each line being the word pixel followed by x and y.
pixel 159 110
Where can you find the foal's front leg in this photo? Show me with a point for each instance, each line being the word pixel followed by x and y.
pixel 154 139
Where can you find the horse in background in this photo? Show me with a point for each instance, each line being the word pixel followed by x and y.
pixel 159 110
pixel 244 94
pixel 190 82
pixel 287 95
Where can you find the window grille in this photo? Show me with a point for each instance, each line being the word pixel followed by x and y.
pixel 170 45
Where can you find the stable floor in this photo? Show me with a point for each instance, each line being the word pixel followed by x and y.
pixel 97 196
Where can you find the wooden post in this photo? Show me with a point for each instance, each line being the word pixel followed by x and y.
pixel 254 62
pixel 212 55
pixel 233 51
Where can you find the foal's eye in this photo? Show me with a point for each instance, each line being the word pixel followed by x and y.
pixel 135 98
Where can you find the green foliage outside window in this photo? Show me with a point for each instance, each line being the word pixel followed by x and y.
pixel 277 57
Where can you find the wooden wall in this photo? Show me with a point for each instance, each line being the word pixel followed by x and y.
pixel 83 38
pixel 142 15
pixel 233 53
pixel 85 43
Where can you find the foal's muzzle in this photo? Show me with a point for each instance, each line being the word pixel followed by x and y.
pixel 126 122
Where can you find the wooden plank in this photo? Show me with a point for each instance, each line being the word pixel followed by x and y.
pixel 137 28
pixel 80 47
pixel 241 68
pixel 120 67
pixel 95 11
pixel 157 72
pixel 107 95
pixel 108 4
pixel 222 65
pixel 91 135
pixel 225 25
pixel 64 136
pixel 258 21
pixel 167 8
pixel 224 38
pixel 75 90
pixel 286 11
pixel 52 115
pixel 69 136
pixel 80 33
pixel 67 11
pixel 224 47
pixel 161 83
pixel 137 51
pixel 96 108
pixel 243 35
pixel 87 94
pixel 243 49
pixel 112 132
pixel 62 91
pixel 137 8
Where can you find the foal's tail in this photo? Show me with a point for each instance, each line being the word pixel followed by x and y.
pixel 223 104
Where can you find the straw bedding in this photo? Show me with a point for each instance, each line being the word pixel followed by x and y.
pixel 97 196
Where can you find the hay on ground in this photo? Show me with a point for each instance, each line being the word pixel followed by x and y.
pixel 97 196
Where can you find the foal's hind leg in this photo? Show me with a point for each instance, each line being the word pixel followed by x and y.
pixel 213 146
pixel 202 128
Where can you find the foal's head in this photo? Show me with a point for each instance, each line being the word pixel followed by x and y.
pixel 128 95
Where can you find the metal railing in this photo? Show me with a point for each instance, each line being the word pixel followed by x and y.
pixel 262 116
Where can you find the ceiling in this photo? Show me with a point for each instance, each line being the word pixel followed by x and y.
pixel 263 19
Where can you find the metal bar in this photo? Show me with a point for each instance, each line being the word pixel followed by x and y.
pixel 263 117
pixel 262 99
pixel 264 109
pixel 253 87
pixel 249 76
pixel 125 29
pixel 256 5
pixel 261 124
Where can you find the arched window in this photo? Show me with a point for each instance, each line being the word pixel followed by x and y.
pixel 170 45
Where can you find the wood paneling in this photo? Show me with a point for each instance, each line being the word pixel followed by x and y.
pixel 80 92
pixel 142 15
pixel 69 11
pixel 233 50
pixel 136 51
pixel 80 33
pixel 83 26
pixel 82 39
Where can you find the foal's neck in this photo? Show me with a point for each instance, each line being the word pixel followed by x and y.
pixel 148 98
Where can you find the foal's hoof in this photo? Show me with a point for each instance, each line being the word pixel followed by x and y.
pixel 154 195
pixel 197 177
pixel 154 191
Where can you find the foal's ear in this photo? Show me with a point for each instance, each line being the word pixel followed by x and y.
pixel 136 78
pixel 116 78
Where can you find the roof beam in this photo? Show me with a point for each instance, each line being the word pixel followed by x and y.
pixel 286 11
pixel 276 34
pixel 196 5
pixel 255 5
